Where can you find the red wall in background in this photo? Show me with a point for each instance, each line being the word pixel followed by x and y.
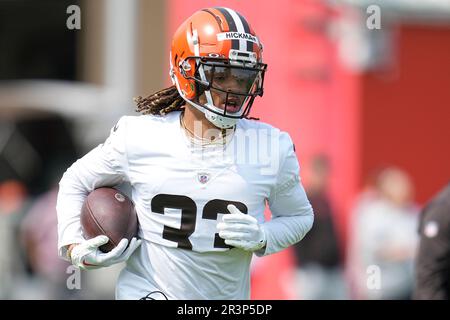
pixel 406 110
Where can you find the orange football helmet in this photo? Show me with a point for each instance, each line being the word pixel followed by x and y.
pixel 216 64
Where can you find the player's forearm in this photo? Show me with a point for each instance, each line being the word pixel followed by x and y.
pixel 88 173
pixel 292 218
pixel 284 231
pixel 71 196
pixel 75 185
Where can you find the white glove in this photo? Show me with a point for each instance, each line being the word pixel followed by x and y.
pixel 87 254
pixel 241 230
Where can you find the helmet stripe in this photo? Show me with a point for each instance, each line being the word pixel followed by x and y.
pixel 231 25
pixel 239 26
pixel 247 30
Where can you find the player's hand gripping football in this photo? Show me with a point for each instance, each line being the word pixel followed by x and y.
pixel 241 230
pixel 87 254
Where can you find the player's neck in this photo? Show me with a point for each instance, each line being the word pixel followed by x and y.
pixel 197 125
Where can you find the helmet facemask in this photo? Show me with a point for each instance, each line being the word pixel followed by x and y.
pixel 225 88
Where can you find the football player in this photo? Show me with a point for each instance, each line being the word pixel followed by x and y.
pixel 201 174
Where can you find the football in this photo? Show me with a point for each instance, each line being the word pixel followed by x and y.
pixel 107 211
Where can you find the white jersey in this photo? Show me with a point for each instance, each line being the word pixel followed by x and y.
pixel 181 192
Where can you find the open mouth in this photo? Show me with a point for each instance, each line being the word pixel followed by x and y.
pixel 232 105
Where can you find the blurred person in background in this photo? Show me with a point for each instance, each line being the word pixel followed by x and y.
pixel 47 279
pixel 319 268
pixel 13 202
pixel 433 258
pixel 384 239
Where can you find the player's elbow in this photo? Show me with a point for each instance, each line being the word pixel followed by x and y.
pixel 310 219
pixel 68 175
pixel 71 181
pixel 306 219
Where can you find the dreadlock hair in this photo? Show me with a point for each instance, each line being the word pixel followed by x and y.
pixel 161 102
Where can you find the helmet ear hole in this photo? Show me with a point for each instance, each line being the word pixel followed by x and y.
pixel 186 70
pixel 185 66
pixel 189 89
